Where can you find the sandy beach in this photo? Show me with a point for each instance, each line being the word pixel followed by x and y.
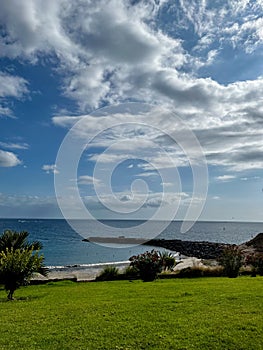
pixel 78 273
pixel 88 273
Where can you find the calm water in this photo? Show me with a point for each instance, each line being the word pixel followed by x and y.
pixel 63 246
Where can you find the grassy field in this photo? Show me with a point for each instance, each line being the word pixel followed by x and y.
pixel 205 313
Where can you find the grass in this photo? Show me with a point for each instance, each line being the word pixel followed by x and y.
pixel 205 313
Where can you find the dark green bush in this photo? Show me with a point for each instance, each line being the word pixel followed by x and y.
pixel 149 264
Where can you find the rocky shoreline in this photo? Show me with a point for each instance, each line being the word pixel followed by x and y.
pixel 193 249
pixel 201 250
pixel 198 249
pixel 207 250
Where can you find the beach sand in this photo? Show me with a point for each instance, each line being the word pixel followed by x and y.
pixel 77 273
pixel 82 273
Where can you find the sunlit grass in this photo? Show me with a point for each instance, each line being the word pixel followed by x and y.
pixel 204 313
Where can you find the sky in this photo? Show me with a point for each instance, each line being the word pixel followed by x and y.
pixel 161 103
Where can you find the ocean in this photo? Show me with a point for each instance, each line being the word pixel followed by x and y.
pixel 62 246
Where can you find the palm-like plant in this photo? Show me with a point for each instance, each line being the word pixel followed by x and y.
pixel 17 267
pixel 17 240
pixel 19 259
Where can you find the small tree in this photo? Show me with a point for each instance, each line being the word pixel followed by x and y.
pixel 231 260
pixel 17 267
pixel 19 259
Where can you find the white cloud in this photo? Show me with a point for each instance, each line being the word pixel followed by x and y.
pixel 134 200
pixel 8 159
pixel 236 22
pixel 97 55
pixel 226 120
pixel 225 178
pixel 46 206
pixel 12 145
pixel 147 174
pixel 115 50
pixel 88 180
pixel 25 206
pixel 111 52
pixel 11 86
pixel 50 168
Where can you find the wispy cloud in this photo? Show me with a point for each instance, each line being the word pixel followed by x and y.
pixel 50 168
pixel 88 180
pixel 225 178
pixel 11 145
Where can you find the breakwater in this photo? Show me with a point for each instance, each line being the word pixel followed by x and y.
pixel 202 250
pixel 199 249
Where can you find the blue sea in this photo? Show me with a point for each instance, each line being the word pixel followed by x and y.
pixel 62 246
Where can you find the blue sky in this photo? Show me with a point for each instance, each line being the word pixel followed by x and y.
pixel 63 62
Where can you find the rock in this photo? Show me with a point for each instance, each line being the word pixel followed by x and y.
pixel 188 263
pixel 256 242
pixel 202 250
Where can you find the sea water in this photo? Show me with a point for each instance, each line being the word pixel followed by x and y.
pixel 62 246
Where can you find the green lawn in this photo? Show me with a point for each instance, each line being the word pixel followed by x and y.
pixel 202 313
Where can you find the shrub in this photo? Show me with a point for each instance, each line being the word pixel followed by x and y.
pixel 231 260
pixel 131 272
pixel 149 264
pixel 201 271
pixel 109 273
pixel 256 262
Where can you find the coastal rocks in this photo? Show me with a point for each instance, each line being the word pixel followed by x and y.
pixel 188 263
pixel 256 243
pixel 201 250
pixel 207 250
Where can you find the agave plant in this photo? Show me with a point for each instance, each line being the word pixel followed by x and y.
pixel 168 260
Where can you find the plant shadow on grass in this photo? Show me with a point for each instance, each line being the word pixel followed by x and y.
pixel 28 298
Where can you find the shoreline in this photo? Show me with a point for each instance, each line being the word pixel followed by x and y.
pixel 76 273
pixel 199 249
pixel 183 251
